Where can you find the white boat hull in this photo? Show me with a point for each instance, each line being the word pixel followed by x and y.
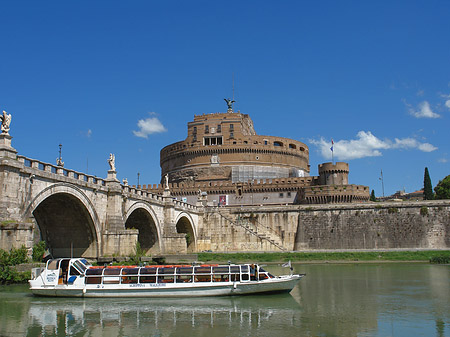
pixel 284 284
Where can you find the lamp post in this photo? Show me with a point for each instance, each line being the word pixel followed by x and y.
pixel 382 182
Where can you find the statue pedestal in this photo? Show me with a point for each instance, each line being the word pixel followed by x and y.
pixel 6 150
pixel 112 176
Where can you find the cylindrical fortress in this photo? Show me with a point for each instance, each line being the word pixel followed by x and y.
pixel 333 174
pixel 225 147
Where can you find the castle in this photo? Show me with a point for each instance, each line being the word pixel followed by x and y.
pixel 223 161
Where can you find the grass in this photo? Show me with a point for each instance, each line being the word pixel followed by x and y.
pixel 405 256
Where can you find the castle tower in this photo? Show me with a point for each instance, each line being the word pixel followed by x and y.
pixel 224 147
pixel 333 174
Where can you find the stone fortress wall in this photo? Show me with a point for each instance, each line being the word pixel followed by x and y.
pixel 368 226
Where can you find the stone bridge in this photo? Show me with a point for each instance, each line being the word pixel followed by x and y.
pixel 82 215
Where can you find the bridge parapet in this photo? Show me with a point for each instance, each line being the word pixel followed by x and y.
pixel 60 171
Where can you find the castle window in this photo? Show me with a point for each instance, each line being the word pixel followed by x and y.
pixel 195 129
pixel 281 195
pixel 292 146
pixel 302 149
pixel 277 144
pixel 231 127
pixel 288 194
pixel 194 139
pixel 219 128
pixel 206 129
pixel 231 134
pixel 212 141
pixel 245 142
pixel 266 142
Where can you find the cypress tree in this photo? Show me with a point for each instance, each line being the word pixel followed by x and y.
pixel 427 187
pixel 372 196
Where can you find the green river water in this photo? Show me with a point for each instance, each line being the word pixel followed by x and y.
pixel 332 300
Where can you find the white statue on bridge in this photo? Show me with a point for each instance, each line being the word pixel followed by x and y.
pixel 112 162
pixel 6 121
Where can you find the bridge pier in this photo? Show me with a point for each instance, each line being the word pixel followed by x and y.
pixel 116 239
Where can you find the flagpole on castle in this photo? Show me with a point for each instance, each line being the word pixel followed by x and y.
pixel 332 152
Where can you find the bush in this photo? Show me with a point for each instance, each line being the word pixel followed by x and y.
pixel 442 189
pixel 8 274
pixel 424 210
pixel 39 251
pixel 441 259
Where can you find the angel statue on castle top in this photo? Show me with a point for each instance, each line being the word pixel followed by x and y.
pixel 112 162
pixel 6 121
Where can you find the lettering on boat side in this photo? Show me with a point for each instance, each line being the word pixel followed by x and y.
pixel 51 277
pixel 137 285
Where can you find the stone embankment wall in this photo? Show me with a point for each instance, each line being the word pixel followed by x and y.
pixel 390 225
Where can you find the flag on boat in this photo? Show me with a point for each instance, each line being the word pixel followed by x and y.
pixel 287 264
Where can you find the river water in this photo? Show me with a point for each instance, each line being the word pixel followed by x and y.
pixel 332 300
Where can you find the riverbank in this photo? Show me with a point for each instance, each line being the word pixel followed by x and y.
pixel 328 256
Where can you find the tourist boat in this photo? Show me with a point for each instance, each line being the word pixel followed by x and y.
pixel 78 278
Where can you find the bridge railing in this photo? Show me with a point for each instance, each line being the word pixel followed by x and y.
pixel 61 171
pixel 151 195
pixel 51 168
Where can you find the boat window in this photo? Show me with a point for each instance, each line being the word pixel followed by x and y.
pixel 244 277
pixel 85 262
pixel 80 266
pixel 221 277
pixel 218 270
pixel 94 271
pixel 202 278
pixel 235 277
pixel 184 270
pixel 234 269
pixel 166 279
pixel 73 271
pixel 166 270
pixel 147 279
pixel 53 264
pixel 244 269
pixel 146 271
pixel 184 278
pixel 111 279
pixel 130 271
pixel 203 270
pixel 129 279
pixel 93 280
pixel 111 271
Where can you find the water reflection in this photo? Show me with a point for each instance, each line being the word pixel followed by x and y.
pixel 205 316
pixel 332 300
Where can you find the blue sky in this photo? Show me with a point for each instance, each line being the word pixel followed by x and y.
pixel 125 77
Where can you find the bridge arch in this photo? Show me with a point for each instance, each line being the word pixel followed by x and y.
pixel 67 221
pixel 141 216
pixel 185 224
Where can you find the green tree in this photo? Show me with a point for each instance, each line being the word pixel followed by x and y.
pixel 372 196
pixel 427 187
pixel 442 189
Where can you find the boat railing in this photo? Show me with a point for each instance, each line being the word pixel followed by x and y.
pixel 170 274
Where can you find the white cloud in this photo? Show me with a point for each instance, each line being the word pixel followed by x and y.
pixel 423 111
pixel 367 145
pixel 447 103
pixel 442 160
pixel 86 134
pixel 149 126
